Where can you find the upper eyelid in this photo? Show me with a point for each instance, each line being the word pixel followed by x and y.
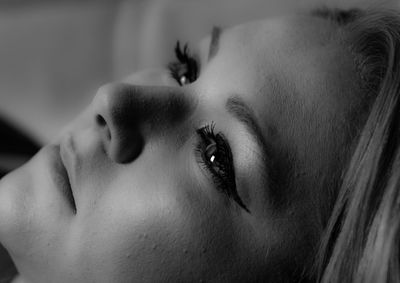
pixel 234 196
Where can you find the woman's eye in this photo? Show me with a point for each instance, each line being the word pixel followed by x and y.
pixel 215 155
pixel 185 68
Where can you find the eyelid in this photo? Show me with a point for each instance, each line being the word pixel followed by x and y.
pixel 226 183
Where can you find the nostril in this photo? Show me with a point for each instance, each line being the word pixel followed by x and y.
pixel 100 120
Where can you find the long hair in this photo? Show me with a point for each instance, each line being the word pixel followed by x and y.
pixel 361 240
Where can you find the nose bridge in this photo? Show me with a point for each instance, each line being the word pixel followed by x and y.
pixel 127 104
pixel 127 115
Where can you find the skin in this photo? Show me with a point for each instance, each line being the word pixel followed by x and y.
pixel 147 211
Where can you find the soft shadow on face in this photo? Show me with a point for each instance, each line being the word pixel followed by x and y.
pixel 219 180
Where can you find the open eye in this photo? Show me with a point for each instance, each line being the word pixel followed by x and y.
pixel 185 69
pixel 215 155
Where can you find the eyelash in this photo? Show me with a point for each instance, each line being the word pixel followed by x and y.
pixel 221 166
pixel 185 67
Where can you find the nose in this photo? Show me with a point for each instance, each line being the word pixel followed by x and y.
pixel 127 116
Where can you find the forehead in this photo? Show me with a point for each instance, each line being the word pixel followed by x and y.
pixel 299 31
pixel 298 59
pixel 293 50
pixel 285 45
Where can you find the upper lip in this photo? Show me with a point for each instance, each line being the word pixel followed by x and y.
pixel 68 156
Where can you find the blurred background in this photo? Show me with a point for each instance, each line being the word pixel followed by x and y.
pixel 54 54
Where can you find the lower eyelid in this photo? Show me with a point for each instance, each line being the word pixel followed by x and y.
pixel 208 175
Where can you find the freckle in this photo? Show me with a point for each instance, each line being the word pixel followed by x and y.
pixel 204 250
pixel 154 246
pixel 128 255
pixel 185 251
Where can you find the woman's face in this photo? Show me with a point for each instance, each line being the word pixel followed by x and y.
pixel 223 179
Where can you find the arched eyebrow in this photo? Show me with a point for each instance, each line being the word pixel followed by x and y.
pixel 214 43
pixel 245 115
pixel 238 108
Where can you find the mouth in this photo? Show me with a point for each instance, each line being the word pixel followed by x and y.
pixel 65 171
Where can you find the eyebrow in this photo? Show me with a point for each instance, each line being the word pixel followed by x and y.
pixel 237 107
pixel 214 43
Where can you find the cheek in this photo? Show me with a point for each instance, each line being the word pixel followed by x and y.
pixel 155 238
pixel 156 224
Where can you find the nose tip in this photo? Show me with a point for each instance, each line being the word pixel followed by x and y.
pixel 128 116
pixel 119 133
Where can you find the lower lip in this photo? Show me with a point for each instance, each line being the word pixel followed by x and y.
pixel 59 174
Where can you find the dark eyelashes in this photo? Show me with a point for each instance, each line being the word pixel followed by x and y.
pixel 214 154
pixel 185 69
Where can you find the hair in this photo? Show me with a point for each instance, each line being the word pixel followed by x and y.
pixel 361 240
